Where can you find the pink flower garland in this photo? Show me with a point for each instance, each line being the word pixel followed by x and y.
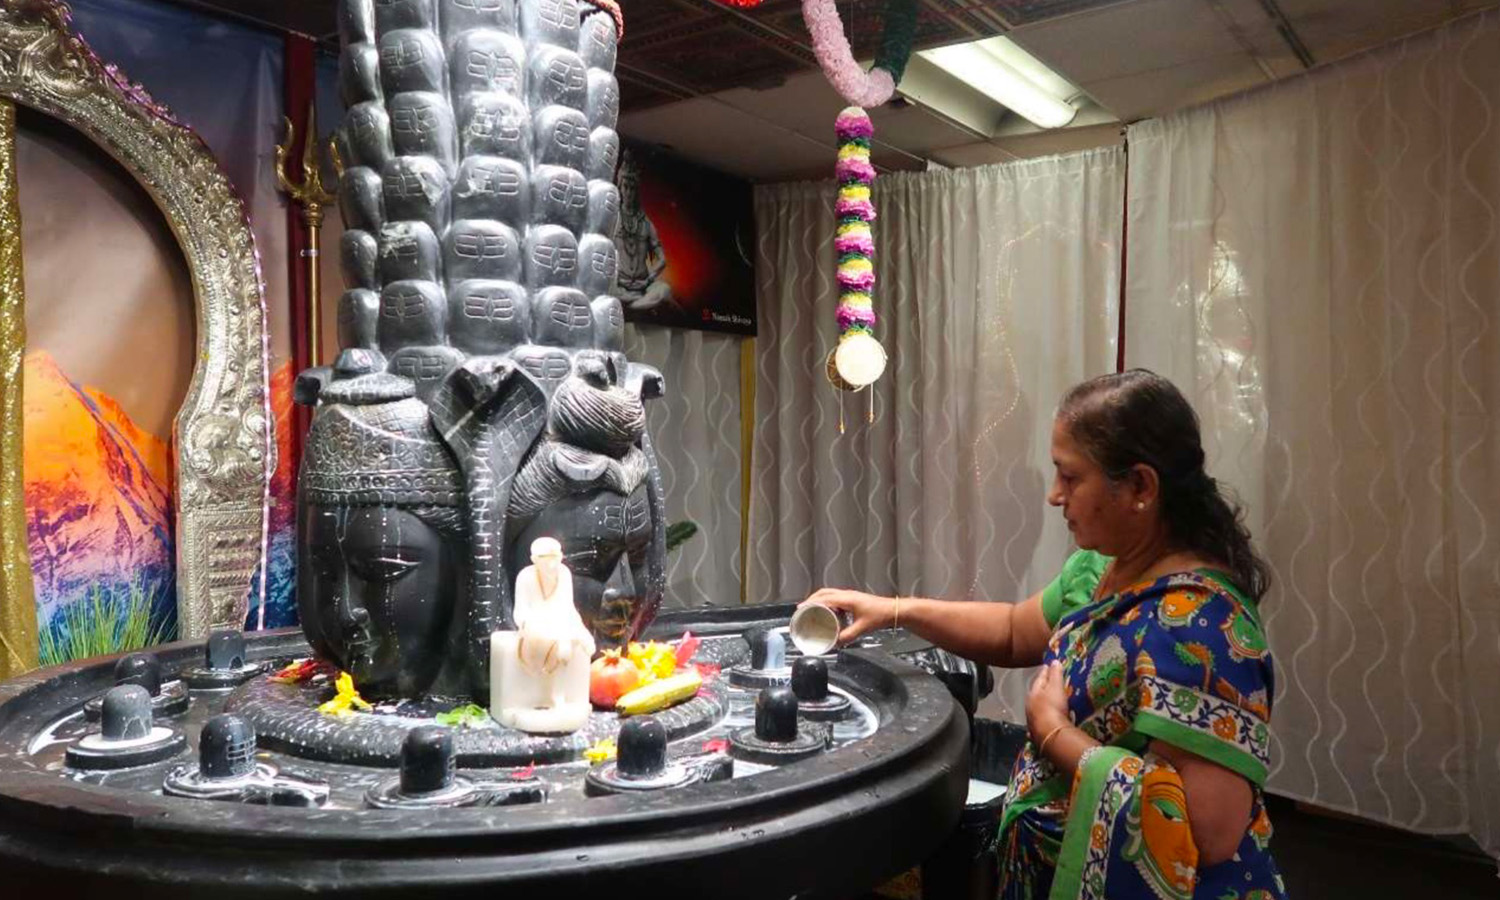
pixel 831 45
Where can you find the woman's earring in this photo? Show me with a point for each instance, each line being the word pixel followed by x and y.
pixel 1140 506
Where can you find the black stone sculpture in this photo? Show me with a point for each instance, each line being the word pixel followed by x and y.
pixel 226 748
pixel 140 668
pixel 429 779
pixel 227 771
pixel 778 737
pixel 128 735
pixel 143 670
pixel 224 665
pixel 810 685
pixel 382 544
pixel 643 748
pixel 767 666
pixel 480 321
pixel 427 760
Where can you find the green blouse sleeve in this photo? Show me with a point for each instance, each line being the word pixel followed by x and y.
pixel 1073 588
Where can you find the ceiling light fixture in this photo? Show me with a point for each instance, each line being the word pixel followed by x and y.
pixel 1010 76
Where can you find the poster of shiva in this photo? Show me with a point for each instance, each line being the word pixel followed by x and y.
pixel 686 242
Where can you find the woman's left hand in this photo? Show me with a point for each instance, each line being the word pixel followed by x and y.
pixel 1047 702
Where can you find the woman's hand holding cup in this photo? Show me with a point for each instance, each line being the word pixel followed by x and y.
pixel 864 612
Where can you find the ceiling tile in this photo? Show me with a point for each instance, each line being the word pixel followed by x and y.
pixel 1134 57
pixel 713 57
pixel 1071 140
pixel 1044 143
pixel 1126 39
pixel 938 22
pixel 1334 29
pixel 1023 12
pixel 1132 97
pixel 806 103
pixel 641 93
pixel 978 153
pixel 886 159
pixel 721 137
pixel 644 18
pixel 916 129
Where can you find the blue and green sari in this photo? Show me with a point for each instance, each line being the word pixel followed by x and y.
pixel 1183 660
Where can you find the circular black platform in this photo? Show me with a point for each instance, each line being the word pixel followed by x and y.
pixel 888 792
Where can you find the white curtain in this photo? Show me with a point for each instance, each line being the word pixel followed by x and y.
pixel 696 432
pixel 998 289
pixel 1318 264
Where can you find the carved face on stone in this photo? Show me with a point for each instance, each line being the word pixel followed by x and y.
pixel 385 594
pixel 381 556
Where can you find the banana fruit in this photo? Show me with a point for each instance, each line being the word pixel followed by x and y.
pixel 660 694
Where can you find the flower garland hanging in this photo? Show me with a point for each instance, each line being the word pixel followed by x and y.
pixel 831 45
pixel 859 360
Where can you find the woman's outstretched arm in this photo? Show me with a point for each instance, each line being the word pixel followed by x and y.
pixel 1011 635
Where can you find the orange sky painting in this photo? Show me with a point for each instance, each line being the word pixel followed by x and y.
pixel 99 501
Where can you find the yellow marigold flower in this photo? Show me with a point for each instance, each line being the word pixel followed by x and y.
pixel 655 660
pixel 346 698
pixel 602 750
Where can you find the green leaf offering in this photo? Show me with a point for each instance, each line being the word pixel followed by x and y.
pixel 679 532
pixel 467 716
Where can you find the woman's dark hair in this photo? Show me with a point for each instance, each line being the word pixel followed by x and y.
pixel 1139 417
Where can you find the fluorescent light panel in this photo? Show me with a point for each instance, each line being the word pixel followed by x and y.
pixel 1010 76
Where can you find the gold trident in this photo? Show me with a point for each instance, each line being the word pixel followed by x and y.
pixel 312 197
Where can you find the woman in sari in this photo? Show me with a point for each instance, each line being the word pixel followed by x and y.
pixel 1149 719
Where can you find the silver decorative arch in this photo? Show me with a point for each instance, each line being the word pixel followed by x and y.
pixel 223 431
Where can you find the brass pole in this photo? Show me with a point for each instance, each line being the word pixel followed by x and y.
pixel 312 197
pixel 312 216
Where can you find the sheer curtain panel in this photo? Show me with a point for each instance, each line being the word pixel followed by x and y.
pixel 997 290
pixel 1318 265
pixel 695 429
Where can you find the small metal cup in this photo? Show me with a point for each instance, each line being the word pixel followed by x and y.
pixel 815 628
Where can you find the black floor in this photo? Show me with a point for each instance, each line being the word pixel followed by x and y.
pixel 1325 858
pixel 1328 858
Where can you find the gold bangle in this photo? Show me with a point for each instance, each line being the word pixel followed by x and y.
pixel 896 613
pixel 1041 749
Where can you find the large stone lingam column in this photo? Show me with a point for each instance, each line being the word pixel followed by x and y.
pixel 479 200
